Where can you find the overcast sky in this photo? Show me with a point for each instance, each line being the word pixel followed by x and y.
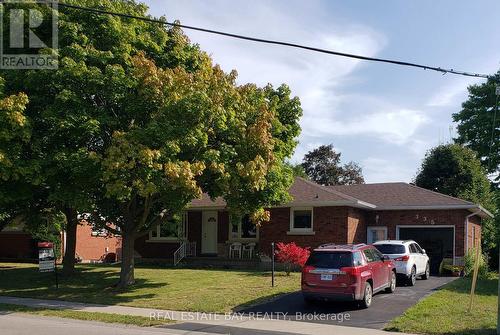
pixel 384 117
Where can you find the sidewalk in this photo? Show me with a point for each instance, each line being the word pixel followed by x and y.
pixel 204 322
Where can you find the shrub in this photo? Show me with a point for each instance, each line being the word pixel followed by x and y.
pixel 469 260
pixel 291 254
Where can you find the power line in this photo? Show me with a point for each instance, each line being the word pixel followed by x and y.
pixel 287 44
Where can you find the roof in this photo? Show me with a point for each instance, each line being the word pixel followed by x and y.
pixel 303 193
pixel 380 196
pixel 398 194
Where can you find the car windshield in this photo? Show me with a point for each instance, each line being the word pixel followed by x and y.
pixel 330 260
pixel 388 249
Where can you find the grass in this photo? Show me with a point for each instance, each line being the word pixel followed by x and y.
pixel 175 288
pixel 446 311
pixel 86 316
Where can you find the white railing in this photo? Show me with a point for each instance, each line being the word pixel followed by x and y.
pixel 185 249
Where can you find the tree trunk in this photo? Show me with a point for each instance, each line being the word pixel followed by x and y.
pixel 127 265
pixel 70 244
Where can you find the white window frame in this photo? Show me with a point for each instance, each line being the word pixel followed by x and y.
pixel 183 232
pixel 301 231
pixel 239 238
pixel 369 228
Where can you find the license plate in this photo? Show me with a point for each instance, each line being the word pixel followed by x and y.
pixel 326 276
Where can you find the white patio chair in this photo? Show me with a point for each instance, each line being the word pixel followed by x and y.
pixel 248 250
pixel 235 249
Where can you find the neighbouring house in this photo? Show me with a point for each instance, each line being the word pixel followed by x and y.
pixel 92 246
pixel 444 226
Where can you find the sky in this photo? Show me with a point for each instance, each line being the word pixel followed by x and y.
pixel 383 117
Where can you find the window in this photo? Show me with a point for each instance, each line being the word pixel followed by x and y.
pixel 375 234
pixel 391 249
pixel 413 248
pixel 173 229
pixel 357 259
pixel 243 229
pixel 419 250
pixel 103 232
pixel 330 260
pixel 301 220
pixel 371 255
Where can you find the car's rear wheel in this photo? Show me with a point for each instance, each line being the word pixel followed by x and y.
pixel 412 278
pixel 392 284
pixel 368 296
pixel 427 272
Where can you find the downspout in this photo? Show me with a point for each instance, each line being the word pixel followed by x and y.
pixel 467 228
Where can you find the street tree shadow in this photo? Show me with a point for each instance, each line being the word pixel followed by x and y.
pixel 87 285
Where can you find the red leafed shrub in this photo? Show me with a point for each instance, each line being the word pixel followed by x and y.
pixel 291 254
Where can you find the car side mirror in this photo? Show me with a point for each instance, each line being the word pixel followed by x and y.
pixel 423 251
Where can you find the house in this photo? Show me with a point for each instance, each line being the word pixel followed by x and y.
pixel 92 245
pixel 445 226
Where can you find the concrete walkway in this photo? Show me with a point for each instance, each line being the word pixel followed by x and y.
pixel 206 322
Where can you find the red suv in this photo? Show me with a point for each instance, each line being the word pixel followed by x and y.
pixel 347 273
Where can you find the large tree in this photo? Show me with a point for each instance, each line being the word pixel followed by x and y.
pixel 137 121
pixel 455 170
pixel 74 111
pixel 478 128
pixel 323 166
pixel 190 132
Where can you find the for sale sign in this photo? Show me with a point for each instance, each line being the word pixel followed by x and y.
pixel 46 257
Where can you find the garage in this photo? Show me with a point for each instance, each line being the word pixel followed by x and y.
pixel 438 242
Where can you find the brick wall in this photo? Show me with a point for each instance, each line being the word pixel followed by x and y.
pixel 155 249
pixel 93 248
pixel 329 225
pixel 391 219
pixel 20 246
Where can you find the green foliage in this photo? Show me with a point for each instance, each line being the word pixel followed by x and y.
pixel 298 170
pixel 46 226
pixel 469 261
pixel 475 122
pixel 322 165
pixel 137 121
pixel 455 170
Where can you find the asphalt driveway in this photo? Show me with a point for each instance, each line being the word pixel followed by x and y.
pixel 384 308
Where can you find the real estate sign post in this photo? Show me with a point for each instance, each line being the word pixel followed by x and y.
pixel 47 259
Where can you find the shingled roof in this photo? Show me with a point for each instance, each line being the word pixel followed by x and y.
pixel 398 194
pixel 381 196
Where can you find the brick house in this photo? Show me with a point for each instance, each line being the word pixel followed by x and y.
pixel 445 226
pixel 92 245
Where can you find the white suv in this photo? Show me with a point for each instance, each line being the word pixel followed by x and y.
pixel 411 260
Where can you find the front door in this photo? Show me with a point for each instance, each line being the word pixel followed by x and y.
pixel 209 233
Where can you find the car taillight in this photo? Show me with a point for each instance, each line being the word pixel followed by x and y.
pixel 351 272
pixel 404 258
pixel 308 268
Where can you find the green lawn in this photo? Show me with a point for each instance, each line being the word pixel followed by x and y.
pixel 162 288
pixel 87 316
pixel 445 312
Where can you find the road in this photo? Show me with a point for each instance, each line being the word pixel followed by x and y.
pixel 385 307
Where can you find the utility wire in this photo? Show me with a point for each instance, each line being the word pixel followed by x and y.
pixel 287 44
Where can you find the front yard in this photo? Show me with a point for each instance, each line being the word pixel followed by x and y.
pixel 445 312
pixel 175 289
